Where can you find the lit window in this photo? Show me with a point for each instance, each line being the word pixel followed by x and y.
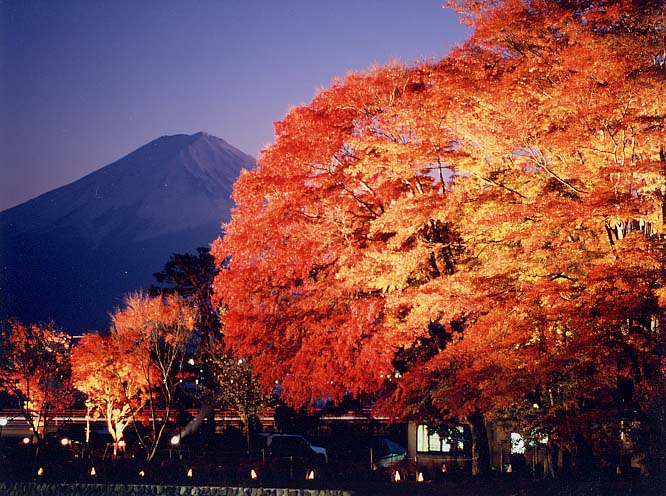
pixel 432 442
pixel 421 438
pixel 517 444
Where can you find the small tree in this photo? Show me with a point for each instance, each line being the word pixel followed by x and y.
pixel 112 382
pixel 35 369
pixel 235 387
pixel 154 333
pixel 231 383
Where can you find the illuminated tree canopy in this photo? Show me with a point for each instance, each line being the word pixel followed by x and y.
pixel 35 370
pixel 112 380
pixel 151 336
pixel 473 236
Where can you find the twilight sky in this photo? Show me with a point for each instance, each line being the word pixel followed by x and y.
pixel 84 82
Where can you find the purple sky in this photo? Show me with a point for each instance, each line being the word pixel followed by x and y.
pixel 82 83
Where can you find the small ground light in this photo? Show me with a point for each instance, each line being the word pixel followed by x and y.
pixel 189 472
pixel 310 475
pixel 93 472
pixel 419 477
pixel 40 471
pixel 396 476
pixel 253 474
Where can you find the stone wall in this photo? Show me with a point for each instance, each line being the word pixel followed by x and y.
pixel 42 489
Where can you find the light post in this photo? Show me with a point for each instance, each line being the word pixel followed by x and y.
pixel 3 423
pixel 175 445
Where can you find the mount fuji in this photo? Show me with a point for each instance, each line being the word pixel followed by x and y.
pixel 70 255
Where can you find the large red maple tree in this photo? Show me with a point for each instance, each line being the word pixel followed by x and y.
pixel 470 237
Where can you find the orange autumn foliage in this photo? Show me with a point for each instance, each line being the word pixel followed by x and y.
pixel 112 380
pixel 34 369
pixel 150 337
pixel 469 236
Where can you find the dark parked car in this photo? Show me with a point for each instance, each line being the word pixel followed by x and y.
pixel 294 446
pixel 290 457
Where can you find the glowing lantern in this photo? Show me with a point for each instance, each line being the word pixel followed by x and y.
pixel 175 440
pixel 40 471
pixel 310 475
pixel 396 476
pixel 26 440
pixel 93 472
pixel 253 474
pixel 189 472
pixel 419 476
pixel 64 441
pixel 142 474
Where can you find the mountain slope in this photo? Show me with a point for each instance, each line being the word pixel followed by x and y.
pixel 72 253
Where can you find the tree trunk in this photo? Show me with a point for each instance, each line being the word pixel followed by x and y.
pixel 583 456
pixel 480 447
pixel 654 454
pixel 111 428
pixel 564 460
pixel 245 420
pixel 549 460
